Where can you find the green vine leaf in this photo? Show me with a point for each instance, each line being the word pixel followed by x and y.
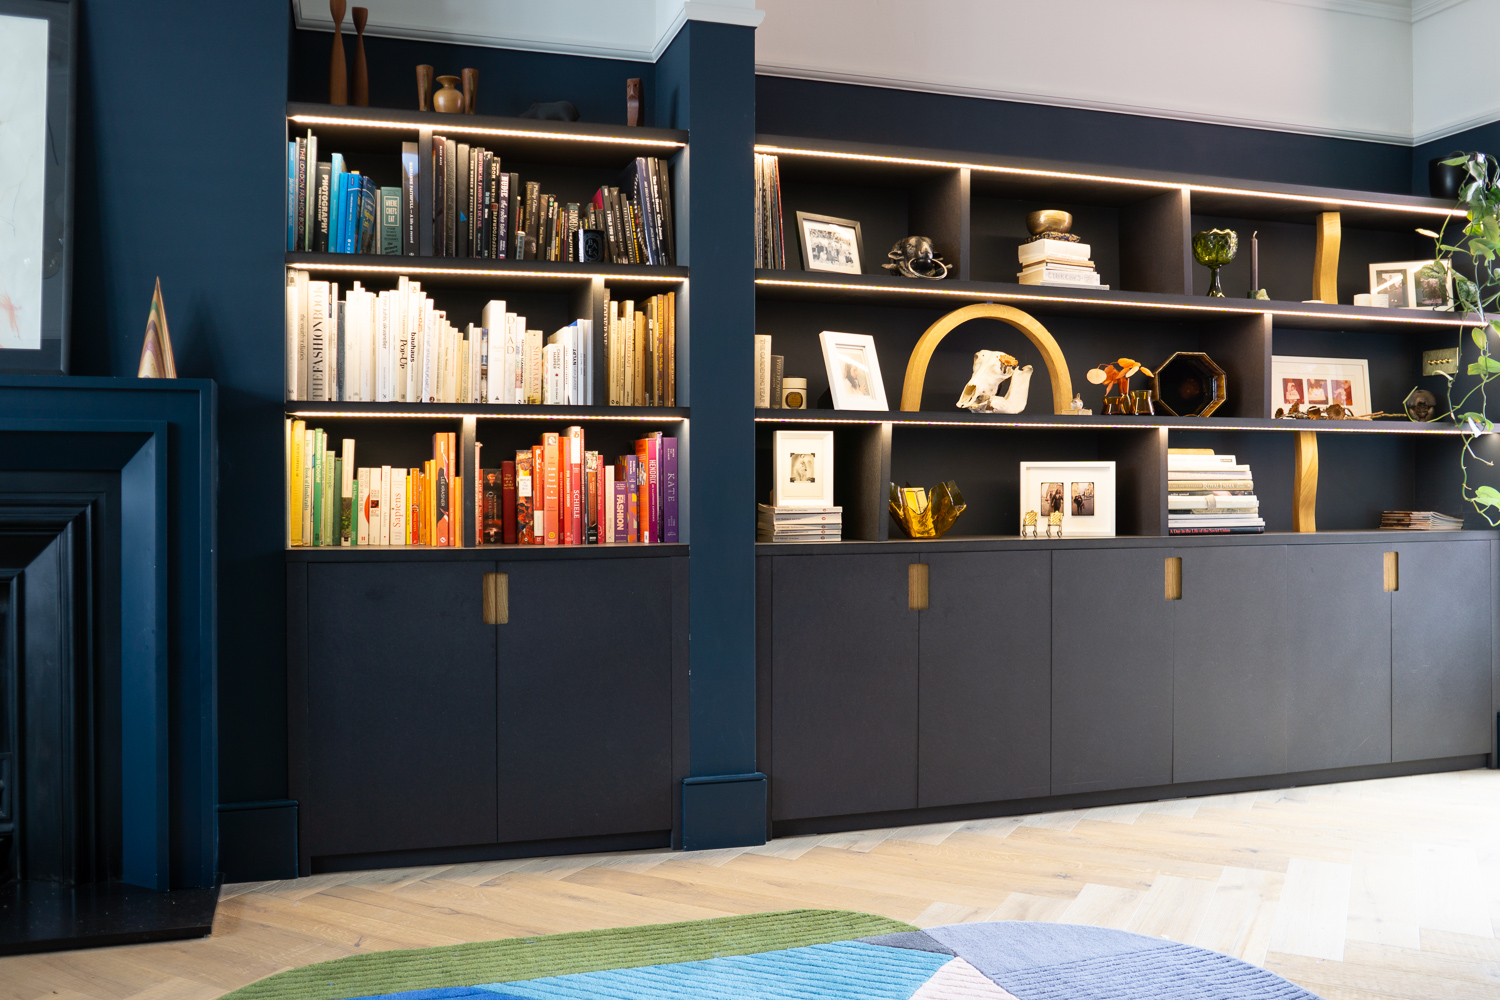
pixel 1480 340
pixel 1487 496
pixel 1428 232
pixel 1476 420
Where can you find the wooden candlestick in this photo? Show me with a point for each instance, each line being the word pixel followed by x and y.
pixel 424 88
pixel 338 74
pixel 361 89
pixel 633 109
pixel 471 91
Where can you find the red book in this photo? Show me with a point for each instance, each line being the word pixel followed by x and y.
pixel 643 490
pixel 575 484
pixel 488 513
pixel 442 458
pixel 550 483
pixel 520 513
pixel 565 522
pixel 508 502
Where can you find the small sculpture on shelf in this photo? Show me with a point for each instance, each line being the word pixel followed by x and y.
pixel 1213 248
pixel 1333 411
pixel 471 91
pixel 1054 522
pixel 360 87
pixel 1420 405
pixel 914 257
pixel 1051 224
pixel 448 99
pixel 634 102
pixel 991 368
pixel 1028 521
pixel 424 87
pixel 338 73
pixel 1116 375
pixel 923 513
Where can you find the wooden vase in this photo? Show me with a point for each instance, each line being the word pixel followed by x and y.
pixel 424 88
pixel 361 88
pixel 449 99
pixel 471 90
pixel 338 74
pixel 633 92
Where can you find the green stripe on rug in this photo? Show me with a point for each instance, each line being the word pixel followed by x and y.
pixel 562 954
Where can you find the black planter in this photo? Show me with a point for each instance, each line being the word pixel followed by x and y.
pixel 1444 181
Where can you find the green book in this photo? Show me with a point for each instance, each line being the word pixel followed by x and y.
pixel 340 519
pixel 390 220
pixel 330 500
pixel 353 506
pixel 317 511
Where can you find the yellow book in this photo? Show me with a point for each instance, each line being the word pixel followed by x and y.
pixel 297 430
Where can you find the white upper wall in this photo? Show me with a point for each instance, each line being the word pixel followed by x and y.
pixel 1364 69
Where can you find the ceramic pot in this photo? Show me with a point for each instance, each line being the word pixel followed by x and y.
pixel 449 99
pixel 1444 181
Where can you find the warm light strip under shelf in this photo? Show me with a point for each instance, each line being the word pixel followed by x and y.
pixel 1105 179
pixel 459 126
pixel 653 418
pixel 1320 426
pixel 1133 303
pixel 482 273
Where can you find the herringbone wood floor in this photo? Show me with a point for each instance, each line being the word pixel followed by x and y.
pixel 1372 889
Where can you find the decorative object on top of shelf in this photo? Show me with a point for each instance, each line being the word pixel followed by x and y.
pixel 551 111
pixel 981 394
pixel 1441 362
pixel 794 393
pixel 1076 408
pixel 1414 284
pixel 360 87
pixel 1305 482
pixel 1376 300
pixel 1140 403
pixel 591 246
pixel 1213 248
pixel 1028 520
pixel 1055 521
pixel 1051 224
pixel 830 244
pixel 1256 292
pixel 1420 405
pixel 1189 384
pixel 156 349
pixel 921 355
pixel 338 73
pixel 424 87
pixel 1116 375
pixel 471 91
pixel 634 102
pixel 914 257
pixel 926 513
pixel 1081 495
pixel 1326 258
pixel 803 468
pixel 1446 176
pixel 449 99
pixel 1299 384
pixel 854 379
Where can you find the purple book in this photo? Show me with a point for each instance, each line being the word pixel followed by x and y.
pixel 669 489
pixel 620 510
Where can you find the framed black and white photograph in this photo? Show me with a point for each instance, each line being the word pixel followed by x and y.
pixel 803 466
pixel 36 184
pixel 1414 284
pixel 830 244
pixel 1084 492
pixel 1320 382
pixel 854 379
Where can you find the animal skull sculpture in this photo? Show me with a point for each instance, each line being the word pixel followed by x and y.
pixel 990 369
pixel 914 257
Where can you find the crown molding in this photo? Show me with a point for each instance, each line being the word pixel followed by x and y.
pixel 1423 9
pixel 1487 117
pixel 1385 10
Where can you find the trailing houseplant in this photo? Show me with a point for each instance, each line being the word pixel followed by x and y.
pixel 1474 256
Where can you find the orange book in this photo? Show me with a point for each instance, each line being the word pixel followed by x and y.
pixel 550 482
pixel 428 496
pixel 414 503
pixel 442 459
pixel 538 496
pixel 643 496
pixel 576 526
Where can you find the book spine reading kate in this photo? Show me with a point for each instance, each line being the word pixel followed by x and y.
pixel 669 489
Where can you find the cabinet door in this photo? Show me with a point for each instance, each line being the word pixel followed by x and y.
pixel 1338 637
pixel 844 686
pixel 1230 663
pixel 401 707
pixel 1112 645
pixel 585 699
pixel 985 665
pixel 1440 641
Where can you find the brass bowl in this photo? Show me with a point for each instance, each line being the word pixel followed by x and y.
pixel 1049 220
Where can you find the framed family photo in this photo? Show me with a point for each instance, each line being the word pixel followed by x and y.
pixel 830 244
pixel 1084 492
pixel 1414 284
pixel 803 466
pixel 1319 382
pixel 853 371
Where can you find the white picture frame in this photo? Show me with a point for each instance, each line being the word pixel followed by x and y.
pixel 1320 381
pixel 1399 282
pixel 853 369
pixel 1087 487
pixel 803 464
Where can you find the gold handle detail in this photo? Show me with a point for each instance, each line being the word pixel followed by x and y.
pixel 1392 572
pixel 916 586
pixel 497 598
pixel 1174 578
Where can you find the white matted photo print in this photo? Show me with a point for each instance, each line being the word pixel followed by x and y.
pixel 1319 382
pixel 803 469
pixel 853 371
pixel 830 244
pixel 1083 491
pixel 1414 284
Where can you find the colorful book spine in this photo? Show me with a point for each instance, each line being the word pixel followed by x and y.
pixel 669 489
pixel 294 483
pixel 410 173
pixel 390 220
pixel 551 480
pixel 318 468
pixel 508 502
pixel 647 461
pixel 525 517
pixel 628 472
pixel 576 485
pixel 396 508
pixel 346 495
pixel 442 515
pixel 607 513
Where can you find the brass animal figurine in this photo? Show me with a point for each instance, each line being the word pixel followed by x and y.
pixel 914 257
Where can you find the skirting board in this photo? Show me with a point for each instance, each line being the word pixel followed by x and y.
pixel 724 810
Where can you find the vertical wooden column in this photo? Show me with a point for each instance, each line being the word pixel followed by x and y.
pixel 1326 259
pixel 1305 483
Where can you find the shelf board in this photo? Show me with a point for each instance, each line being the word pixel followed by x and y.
pixel 506 553
pixel 1050 180
pixel 522 139
pixel 525 275
pixel 1047 421
pixel 811 286
pixel 1001 543
pixel 492 411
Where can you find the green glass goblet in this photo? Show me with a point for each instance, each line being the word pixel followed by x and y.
pixel 1213 249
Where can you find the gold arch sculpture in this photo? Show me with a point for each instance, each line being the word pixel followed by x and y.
pixel 1057 366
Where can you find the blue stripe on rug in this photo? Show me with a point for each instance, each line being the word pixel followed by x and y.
pixel 845 970
pixel 1176 972
pixel 1010 945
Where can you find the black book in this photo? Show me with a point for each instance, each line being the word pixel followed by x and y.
pixel 487 205
pixel 570 238
pixel 652 197
pixel 502 211
pixel 462 202
pixel 439 195
pixel 668 223
pixel 450 198
pixel 409 199
pixel 549 225
pixel 325 180
pixel 532 221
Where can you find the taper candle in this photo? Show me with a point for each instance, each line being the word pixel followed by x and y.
pixel 1254 263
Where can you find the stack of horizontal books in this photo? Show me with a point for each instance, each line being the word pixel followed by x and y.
pixel 798 524
pixel 1210 494
pixel 1420 520
pixel 1057 262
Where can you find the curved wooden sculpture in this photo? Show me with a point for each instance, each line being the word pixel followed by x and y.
pixel 1057 367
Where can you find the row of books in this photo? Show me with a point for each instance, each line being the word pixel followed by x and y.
pixel 1058 263
pixel 1420 520
pixel 1209 494
pixel 332 209
pixel 640 341
pixel 798 524
pixel 397 346
pixel 770 234
pixel 481 211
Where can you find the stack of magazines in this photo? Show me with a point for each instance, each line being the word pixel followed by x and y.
pixel 798 524
pixel 1420 520
pixel 1210 494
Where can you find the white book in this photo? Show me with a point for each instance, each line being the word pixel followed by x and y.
pixel 520 371
pixel 397 517
pixel 534 365
pixel 346 491
pixel 586 369
pixel 293 333
pixel 627 350
pixel 317 341
pixel 1036 250
pixel 1216 522
pixel 362 515
pixel 1058 276
pixel 509 362
pixel 1206 462
pixel 606 516
pixel 309 460
pixel 762 371
pixel 335 340
pixel 384 337
pixel 1222 472
pixel 471 371
pixel 553 388
pixel 304 329
pixel 385 505
pixel 1206 503
pixel 484 365
pixel 400 339
pixel 429 347
pixel 493 318
pixel 1085 266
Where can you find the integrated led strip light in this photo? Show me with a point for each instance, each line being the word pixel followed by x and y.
pixel 459 126
pixel 654 418
pixel 1133 303
pixel 412 268
pixel 1104 179
pixel 1321 426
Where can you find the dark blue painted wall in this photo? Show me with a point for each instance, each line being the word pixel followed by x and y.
pixel 1484 139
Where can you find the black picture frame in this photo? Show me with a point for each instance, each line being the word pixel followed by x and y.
pixel 51 358
pixel 808 263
